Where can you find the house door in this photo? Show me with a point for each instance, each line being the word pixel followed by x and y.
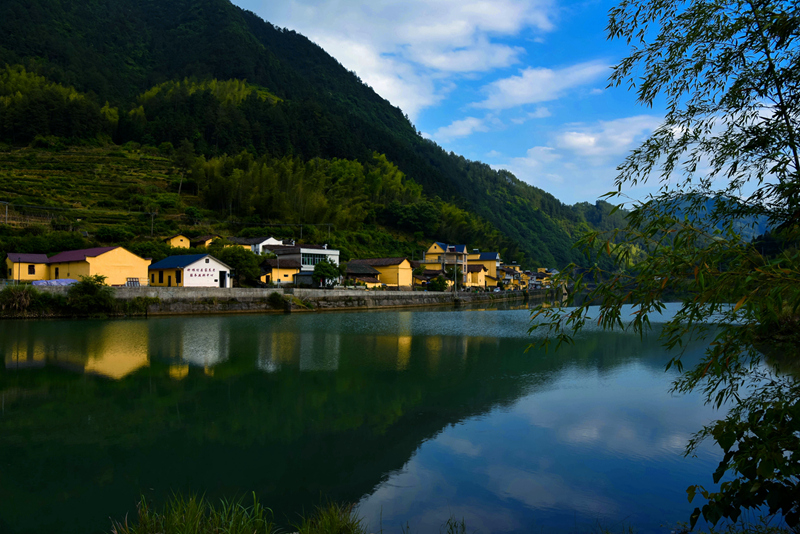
pixel 223 279
pixel 169 281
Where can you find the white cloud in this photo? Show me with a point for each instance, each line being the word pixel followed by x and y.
pixel 460 128
pixel 538 113
pixel 536 84
pixel 409 50
pixel 607 138
pixel 579 161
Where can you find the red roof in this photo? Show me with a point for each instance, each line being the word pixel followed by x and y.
pixel 79 255
pixel 16 257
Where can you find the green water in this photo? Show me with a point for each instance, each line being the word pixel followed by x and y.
pixel 415 415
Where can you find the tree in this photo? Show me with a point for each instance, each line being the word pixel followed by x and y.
pixel 438 284
pixel 242 262
pixel 325 272
pixel 726 154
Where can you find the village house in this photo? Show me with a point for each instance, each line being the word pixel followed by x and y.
pixel 259 245
pixel 178 241
pixel 279 271
pixel 394 272
pixel 443 256
pixel 421 279
pixel 490 260
pixel 26 267
pixel 308 256
pixel 119 266
pixel 193 270
pixel 476 276
pixel 363 273
pixel 204 240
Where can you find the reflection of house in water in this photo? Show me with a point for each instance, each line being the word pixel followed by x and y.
pixel 114 350
pixel 120 350
pixel 205 343
pixel 319 351
pixel 277 348
pixel 20 355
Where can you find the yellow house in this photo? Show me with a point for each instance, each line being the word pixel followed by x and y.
pixel 115 263
pixel 442 253
pixel 490 260
pixel 363 274
pixel 178 241
pixel 394 272
pixel 204 240
pixel 277 271
pixel 476 276
pixel 26 267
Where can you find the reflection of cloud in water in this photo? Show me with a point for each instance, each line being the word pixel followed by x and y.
pixel 631 416
pixel 546 491
pixel 206 344
pixel 458 445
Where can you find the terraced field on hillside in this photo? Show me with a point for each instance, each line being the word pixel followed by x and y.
pixel 91 186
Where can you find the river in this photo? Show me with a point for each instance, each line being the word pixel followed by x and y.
pixel 417 416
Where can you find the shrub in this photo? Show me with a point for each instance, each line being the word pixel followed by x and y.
pixel 18 298
pixel 90 296
pixel 275 300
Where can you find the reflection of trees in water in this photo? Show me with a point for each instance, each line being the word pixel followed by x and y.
pixel 335 414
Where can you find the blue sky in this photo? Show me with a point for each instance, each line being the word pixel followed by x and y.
pixel 517 84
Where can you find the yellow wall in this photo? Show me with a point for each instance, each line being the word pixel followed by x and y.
pixel 476 279
pixel 491 269
pixel 286 276
pixel 74 270
pixel 19 271
pixel 167 274
pixel 394 275
pixel 118 265
pixel 179 241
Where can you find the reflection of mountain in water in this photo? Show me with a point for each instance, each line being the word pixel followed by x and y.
pixel 293 410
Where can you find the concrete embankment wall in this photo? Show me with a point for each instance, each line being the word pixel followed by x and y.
pixel 180 300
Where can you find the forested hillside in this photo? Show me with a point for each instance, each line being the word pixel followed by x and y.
pixel 252 100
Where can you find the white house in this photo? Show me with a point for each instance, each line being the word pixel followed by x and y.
pixel 308 256
pixel 193 270
pixel 260 245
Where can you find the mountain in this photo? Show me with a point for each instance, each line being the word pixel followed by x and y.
pixel 149 72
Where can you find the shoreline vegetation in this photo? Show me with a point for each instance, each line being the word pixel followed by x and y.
pixel 196 515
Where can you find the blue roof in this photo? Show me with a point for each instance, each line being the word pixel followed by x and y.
pixel 490 256
pixel 458 248
pixel 178 262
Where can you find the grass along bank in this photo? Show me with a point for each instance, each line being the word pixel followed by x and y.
pixel 195 515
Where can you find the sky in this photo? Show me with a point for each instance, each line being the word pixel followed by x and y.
pixel 519 84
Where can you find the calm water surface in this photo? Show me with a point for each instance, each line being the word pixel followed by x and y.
pixel 414 415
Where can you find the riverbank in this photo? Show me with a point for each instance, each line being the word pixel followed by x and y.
pixel 206 301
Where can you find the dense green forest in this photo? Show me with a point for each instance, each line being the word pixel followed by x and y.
pixel 271 127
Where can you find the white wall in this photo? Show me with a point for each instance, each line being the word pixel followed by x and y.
pixel 202 274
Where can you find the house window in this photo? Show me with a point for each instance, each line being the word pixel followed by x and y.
pixel 31 269
pixel 206 260
pixel 312 259
pixel 177 277
pixel 160 277
pixel 152 278
pixel 56 272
